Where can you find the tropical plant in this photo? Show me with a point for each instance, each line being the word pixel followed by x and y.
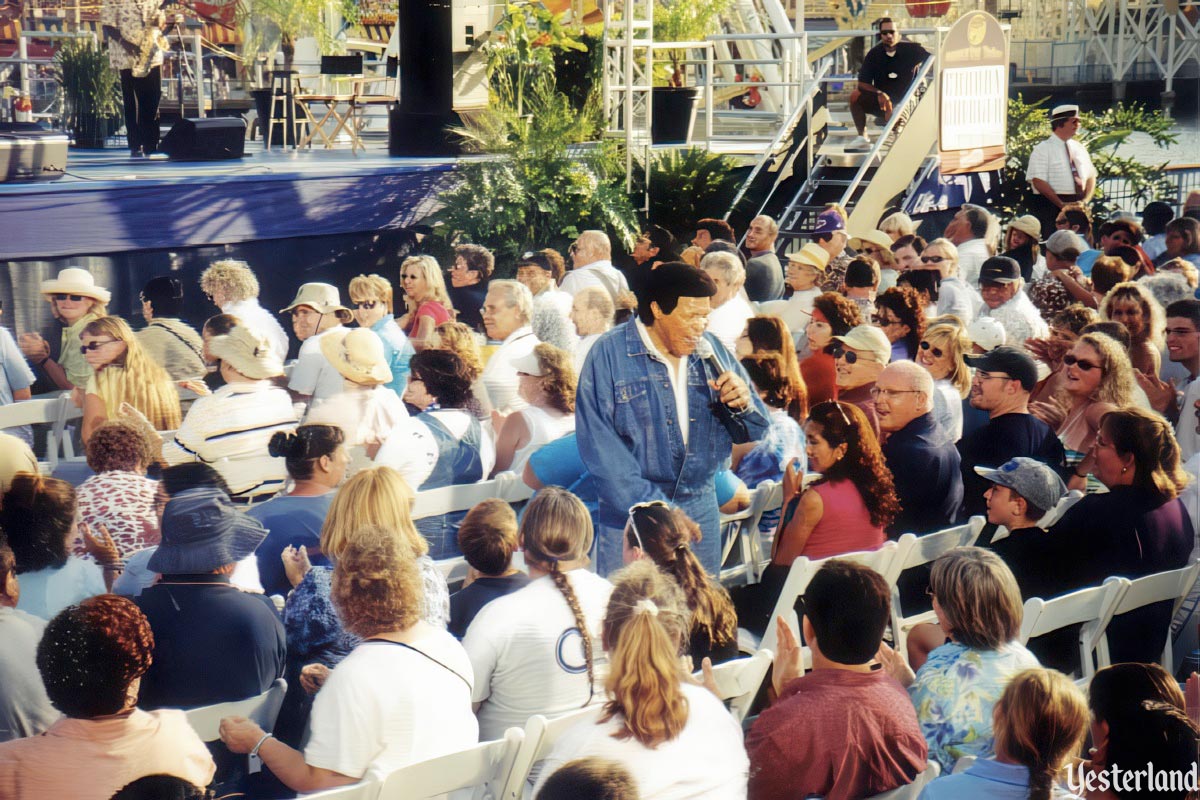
pixel 280 23
pixel 1101 134
pixel 687 185
pixel 91 89
pixel 521 51
pixel 683 21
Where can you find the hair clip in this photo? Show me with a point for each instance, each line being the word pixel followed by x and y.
pixel 646 606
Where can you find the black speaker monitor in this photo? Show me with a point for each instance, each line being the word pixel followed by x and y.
pixel 209 139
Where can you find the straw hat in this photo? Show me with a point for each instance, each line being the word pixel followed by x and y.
pixel 877 238
pixel 1028 225
pixel 321 297
pixel 248 352
pixel 812 255
pixel 76 280
pixel 358 355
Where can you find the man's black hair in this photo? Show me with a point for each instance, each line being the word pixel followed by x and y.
pixel 668 282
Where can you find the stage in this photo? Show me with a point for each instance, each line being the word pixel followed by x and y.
pixel 109 203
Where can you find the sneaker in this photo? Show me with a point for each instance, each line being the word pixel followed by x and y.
pixel 857 144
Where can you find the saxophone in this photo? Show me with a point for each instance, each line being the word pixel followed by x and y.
pixel 152 42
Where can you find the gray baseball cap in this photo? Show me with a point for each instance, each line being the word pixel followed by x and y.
pixel 1061 241
pixel 1033 480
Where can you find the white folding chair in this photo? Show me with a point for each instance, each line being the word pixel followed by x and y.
pixel 738 681
pixel 464 496
pixel 799 575
pixel 364 790
pixel 914 551
pixel 914 789
pixel 47 409
pixel 1055 514
pixel 962 765
pixel 1093 608
pixel 262 709
pixel 541 734
pixel 484 768
pixel 741 529
pixel 1172 585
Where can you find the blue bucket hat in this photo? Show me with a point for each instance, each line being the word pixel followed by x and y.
pixel 202 531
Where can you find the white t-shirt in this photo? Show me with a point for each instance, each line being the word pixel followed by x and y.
pixel 527 652
pixel 729 320
pixel 706 760
pixel 386 706
pixel 500 376
pixel 598 273
pixel 971 255
pixel 412 450
pixel 1185 429
pixel 262 322
pixel 313 374
pixel 947 408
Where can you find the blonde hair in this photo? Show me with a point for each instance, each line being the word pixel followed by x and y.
pixel 1116 382
pixel 557 527
pixel 371 287
pixel 377 586
pixel 434 279
pixel 899 223
pixel 1040 722
pixel 458 338
pixel 645 628
pixel 137 380
pixel 949 333
pixel 376 496
pixel 230 277
pixel 979 598
pixel 1154 319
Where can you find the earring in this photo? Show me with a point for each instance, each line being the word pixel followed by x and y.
pixel 1124 470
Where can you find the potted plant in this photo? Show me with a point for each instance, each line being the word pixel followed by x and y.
pixel 91 89
pixel 675 104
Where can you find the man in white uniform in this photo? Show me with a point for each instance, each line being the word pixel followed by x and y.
pixel 1060 169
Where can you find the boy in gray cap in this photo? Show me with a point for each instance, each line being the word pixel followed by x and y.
pixel 1023 490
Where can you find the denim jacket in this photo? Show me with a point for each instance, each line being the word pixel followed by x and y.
pixel 628 431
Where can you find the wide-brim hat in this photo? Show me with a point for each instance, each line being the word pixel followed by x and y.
pixel 321 297
pixel 358 355
pixel 1028 225
pixel 202 531
pixel 870 339
pixel 812 255
pixel 247 351
pixel 876 237
pixel 76 280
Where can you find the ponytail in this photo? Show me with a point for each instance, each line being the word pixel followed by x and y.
pixel 1040 723
pixel 568 593
pixel 302 447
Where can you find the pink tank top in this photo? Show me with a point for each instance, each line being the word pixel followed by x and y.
pixel 845 525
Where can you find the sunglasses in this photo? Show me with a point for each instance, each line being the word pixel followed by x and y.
pixel 871 251
pixel 74 298
pixel 884 322
pixel 93 346
pixel 633 522
pixel 850 356
pixel 887 33
pixel 932 259
pixel 367 304
pixel 838 406
pixel 1086 366
pixel 937 351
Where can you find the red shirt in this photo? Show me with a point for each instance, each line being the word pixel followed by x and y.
pixel 843 735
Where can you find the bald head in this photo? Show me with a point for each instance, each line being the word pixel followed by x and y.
pixel 590 247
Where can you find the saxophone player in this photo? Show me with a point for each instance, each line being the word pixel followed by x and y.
pixel 136 46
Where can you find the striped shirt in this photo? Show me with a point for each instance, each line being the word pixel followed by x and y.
pixel 230 429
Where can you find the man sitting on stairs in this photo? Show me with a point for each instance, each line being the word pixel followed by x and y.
pixel 887 72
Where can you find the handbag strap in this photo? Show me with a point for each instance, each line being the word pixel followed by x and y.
pixel 431 658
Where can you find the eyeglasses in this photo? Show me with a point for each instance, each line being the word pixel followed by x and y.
pixel 937 351
pixel 74 298
pixel 1086 366
pixel 884 322
pixel 1180 331
pixel 887 33
pixel 888 394
pixel 367 304
pixel 850 356
pixel 871 251
pixel 93 346
pixel 933 259
pixel 984 376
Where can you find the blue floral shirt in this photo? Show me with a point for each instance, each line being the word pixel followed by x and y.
pixel 954 692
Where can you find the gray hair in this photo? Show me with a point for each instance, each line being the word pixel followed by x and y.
pixel 597 298
pixel 551 327
pixel 980 220
pixel 772 225
pixel 517 294
pixel 918 378
pixel 596 243
pixel 727 265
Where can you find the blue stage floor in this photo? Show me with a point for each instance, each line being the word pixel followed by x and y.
pixel 110 203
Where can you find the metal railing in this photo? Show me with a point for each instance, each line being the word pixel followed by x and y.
pixel 1184 178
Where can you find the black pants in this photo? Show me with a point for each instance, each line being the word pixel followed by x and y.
pixel 141 96
pixel 1047 212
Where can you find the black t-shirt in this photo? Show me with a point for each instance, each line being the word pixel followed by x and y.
pixel 1004 438
pixel 465 603
pixel 892 73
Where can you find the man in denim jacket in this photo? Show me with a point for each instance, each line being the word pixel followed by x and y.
pixel 654 419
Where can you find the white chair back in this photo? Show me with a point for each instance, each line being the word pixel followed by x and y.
pixel 364 790
pixel 801 572
pixel 738 681
pixel 741 529
pixel 541 734
pixel 53 409
pixel 914 551
pixel 1093 608
pixel 913 790
pixel 1055 514
pixel 1173 585
pixel 262 709
pixel 464 496
pixel 962 765
pixel 484 768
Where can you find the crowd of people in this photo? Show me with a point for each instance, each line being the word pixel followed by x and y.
pixel 245 517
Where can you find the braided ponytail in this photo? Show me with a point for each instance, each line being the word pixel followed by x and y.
pixel 568 593
pixel 1040 722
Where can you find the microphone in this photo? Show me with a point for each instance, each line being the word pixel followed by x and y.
pixel 704 350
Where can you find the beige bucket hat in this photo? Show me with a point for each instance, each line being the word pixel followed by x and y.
pixel 358 355
pixel 247 351
pixel 322 297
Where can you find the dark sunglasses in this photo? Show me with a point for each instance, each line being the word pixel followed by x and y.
pixel 74 298
pixel 937 351
pixel 1086 366
pixel 887 33
pixel 367 304
pixel 883 321
pixel 932 259
pixel 850 356
pixel 93 346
